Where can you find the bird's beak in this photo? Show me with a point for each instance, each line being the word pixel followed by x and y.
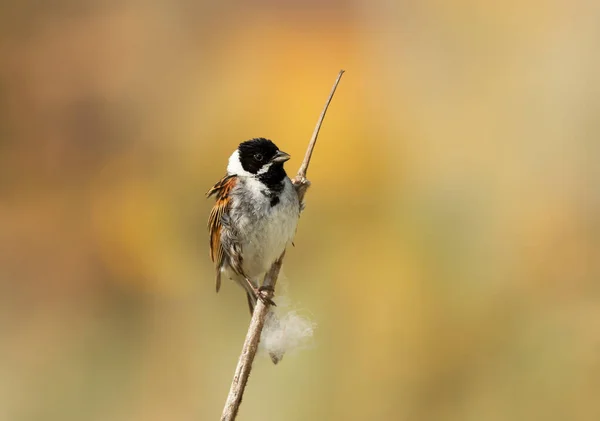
pixel 280 156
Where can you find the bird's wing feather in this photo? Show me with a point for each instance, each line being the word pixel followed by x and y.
pixel 219 230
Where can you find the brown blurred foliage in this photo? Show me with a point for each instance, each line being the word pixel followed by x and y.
pixel 449 251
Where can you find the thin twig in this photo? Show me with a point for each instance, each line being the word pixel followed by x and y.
pixel 313 139
pixel 244 366
pixel 242 371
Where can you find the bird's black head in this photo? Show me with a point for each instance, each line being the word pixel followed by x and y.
pixel 255 153
pixel 263 158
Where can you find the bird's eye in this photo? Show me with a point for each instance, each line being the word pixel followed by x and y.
pixel 258 157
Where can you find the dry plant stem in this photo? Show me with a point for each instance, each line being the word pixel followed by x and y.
pixel 242 371
pixel 244 366
pixel 313 139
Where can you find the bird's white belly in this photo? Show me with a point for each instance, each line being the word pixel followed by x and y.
pixel 265 242
pixel 265 230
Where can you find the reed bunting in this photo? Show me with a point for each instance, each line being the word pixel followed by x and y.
pixel 254 217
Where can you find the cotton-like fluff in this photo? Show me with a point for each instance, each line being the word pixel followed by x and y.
pixel 285 330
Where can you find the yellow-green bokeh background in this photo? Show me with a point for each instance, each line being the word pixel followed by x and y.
pixel 448 252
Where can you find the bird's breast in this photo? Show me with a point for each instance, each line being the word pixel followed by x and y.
pixel 264 228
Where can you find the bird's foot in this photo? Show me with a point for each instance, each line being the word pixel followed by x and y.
pixel 301 184
pixel 264 294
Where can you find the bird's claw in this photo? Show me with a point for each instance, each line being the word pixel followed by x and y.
pixel 264 294
pixel 268 288
pixel 301 183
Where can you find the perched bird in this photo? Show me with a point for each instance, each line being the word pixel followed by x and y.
pixel 254 217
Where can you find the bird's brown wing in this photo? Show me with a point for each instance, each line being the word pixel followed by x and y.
pixel 218 214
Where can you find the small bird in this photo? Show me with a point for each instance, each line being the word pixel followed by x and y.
pixel 254 217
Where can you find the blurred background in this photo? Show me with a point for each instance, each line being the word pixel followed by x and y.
pixel 449 252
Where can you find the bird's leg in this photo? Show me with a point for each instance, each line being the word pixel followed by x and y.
pixel 263 293
pixel 267 291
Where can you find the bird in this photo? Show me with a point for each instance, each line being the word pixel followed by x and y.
pixel 254 217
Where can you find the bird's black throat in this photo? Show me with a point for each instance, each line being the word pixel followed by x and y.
pixel 273 180
pixel 259 156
